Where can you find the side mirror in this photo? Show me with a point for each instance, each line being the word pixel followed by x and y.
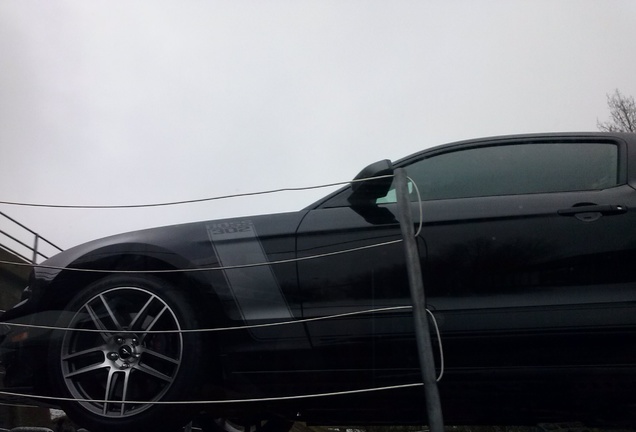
pixel 367 192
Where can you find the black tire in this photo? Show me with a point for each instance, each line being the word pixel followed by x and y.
pixel 113 351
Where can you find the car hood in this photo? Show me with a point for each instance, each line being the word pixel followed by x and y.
pixel 184 245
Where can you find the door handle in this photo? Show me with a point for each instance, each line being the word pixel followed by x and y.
pixel 591 209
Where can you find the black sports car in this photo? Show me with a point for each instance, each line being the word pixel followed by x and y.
pixel 528 255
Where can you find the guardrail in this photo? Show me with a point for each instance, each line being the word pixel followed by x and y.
pixel 24 242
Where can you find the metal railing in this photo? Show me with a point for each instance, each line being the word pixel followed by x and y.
pixel 24 242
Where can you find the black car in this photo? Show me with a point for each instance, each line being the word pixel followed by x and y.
pixel 528 255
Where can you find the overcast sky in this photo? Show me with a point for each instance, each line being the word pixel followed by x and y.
pixel 127 102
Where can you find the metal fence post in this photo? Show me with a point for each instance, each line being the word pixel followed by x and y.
pixel 35 250
pixel 418 298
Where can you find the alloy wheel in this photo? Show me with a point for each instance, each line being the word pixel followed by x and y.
pixel 122 352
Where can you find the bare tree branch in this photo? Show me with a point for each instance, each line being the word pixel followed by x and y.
pixel 622 113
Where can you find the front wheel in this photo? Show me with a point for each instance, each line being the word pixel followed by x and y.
pixel 124 356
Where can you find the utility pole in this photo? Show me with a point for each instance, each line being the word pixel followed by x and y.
pixel 418 298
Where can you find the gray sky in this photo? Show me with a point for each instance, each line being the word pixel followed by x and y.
pixel 126 102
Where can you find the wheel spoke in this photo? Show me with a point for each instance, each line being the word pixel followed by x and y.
pixel 110 312
pixel 152 372
pixel 71 356
pixel 98 323
pixel 154 353
pixel 125 391
pixel 154 321
pixel 111 381
pixel 152 324
pixel 86 369
pixel 141 312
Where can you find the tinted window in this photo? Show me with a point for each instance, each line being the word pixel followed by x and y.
pixel 515 169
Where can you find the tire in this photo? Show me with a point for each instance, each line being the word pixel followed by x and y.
pixel 113 362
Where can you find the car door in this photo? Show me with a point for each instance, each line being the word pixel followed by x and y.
pixel 529 267
pixel 526 248
pixel 357 266
pixel 530 253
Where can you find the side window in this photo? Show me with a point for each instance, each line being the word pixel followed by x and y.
pixel 514 169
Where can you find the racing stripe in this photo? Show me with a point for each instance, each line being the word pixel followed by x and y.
pixel 255 289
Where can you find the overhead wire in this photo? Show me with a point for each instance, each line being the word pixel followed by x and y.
pixel 421 209
pixel 200 269
pixel 387 309
pixel 191 201
pixel 215 329
pixel 221 401
pixel 265 399
pixel 250 326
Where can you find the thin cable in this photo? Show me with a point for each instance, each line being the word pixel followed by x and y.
pixel 441 349
pixel 223 401
pixel 199 269
pixel 233 401
pixel 192 201
pixel 223 267
pixel 218 329
pixel 419 201
pixel 252 326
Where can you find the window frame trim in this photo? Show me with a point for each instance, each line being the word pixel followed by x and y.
pixel 339 198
